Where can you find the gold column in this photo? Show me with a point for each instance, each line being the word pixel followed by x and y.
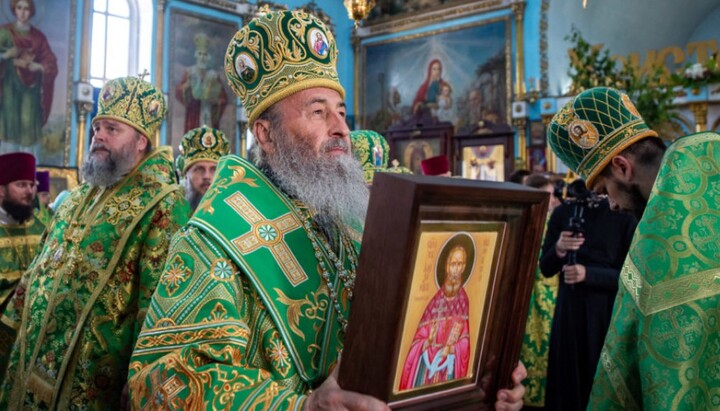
pixel 549 154
pixel 159 53
pixel 84 108
pixel 699 111
pixel 521 124
pixel 518 8
pixel 356 76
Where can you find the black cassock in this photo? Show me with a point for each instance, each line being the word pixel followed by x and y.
pixel 583 310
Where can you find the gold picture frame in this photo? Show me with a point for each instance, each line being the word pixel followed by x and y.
pixel 61 178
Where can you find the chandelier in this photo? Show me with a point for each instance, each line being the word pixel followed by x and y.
pixel 358 9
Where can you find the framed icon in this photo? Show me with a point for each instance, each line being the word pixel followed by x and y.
pixel 460 256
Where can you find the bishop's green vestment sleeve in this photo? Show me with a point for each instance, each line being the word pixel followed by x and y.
pixel 662 350
pixel 208 341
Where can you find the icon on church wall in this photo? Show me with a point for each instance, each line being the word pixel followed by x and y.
pixel 200 95
pixel 36 48
pixel 484 162
pixel 456 75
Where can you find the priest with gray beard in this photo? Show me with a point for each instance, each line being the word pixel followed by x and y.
pixel 252 308
pixel 98 264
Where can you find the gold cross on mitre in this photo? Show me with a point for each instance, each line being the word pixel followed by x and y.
pixel 142 75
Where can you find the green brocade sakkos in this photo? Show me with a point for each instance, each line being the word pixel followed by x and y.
pixel 536 342
pixel 250 310
pixel 80 305
pixel 662 349
pixel 18 246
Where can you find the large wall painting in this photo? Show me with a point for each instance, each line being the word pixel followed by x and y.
pixel 459 75
pixel 198 90
pixel 36 43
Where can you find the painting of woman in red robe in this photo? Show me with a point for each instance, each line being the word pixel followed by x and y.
pixel 440 350
pixel 28 68
pixel 428 92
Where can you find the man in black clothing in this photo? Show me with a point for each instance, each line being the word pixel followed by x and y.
pixel 586 231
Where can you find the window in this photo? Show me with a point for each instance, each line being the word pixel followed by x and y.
pixel 115 49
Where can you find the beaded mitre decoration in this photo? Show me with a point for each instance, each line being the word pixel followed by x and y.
pixel 592 128
pixel 202 144
pixel 278 54
pixel 134 102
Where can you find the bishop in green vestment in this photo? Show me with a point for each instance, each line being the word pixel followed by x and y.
pixel 252 306
pixel 79 306
pixel 662 346
pixel 251 309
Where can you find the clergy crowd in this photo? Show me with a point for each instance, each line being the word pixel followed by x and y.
pixel 212 281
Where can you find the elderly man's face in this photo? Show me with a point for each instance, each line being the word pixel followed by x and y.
pixel 305 145
pixel 316 118
pixel 113 137
pixel 116 148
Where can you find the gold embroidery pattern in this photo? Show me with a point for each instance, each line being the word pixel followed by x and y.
pixel 122 207
pixel 238 176
pixel 629 105
pixel 315 309
pixel 269 234
pixel 222 270
pixel 651 299
pixel 169 337
pixel 565 115
pixel 278 354
pixel 174 275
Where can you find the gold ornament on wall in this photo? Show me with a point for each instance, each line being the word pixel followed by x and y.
pixel 358 9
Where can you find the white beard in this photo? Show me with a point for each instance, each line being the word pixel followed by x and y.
pixel 334 187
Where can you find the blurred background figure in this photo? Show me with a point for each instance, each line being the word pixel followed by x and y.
pixel 372 151
pixel 42 198
pixel 57 202
pixel 586 242
pixel 518 176
pixel 536 343
pixel 20 233
pixel 200 151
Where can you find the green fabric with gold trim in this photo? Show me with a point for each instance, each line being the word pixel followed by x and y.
pixel 134 102
pixel 278 54
pixel 243 317
pixel 202 144
pixel 18 245
pixel 395 167
pixel 372 151
pixel 79 307
pixel 43 213
pixel 179 165
pixel 536 342
pixel 662 348
pixel 596 125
